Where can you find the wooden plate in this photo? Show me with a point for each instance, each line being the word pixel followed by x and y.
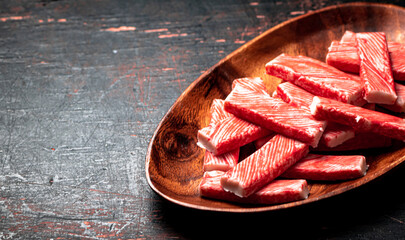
pixel 174 162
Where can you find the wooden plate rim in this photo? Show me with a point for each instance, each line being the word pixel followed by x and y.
pixel 208 72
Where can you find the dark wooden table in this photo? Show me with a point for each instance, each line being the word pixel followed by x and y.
pixel 84 84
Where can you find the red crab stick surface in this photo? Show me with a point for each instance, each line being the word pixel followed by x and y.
pixel 277 191
pixel 375 68
pixel 274 114
pixel 263 166
pixel 334 134
pixel 399 105
pixel 294 95
pixel 217 111
pixel 229 134
pixel 328 167
pixel 397 53
pixel 343 55
pixel 254 84
pixel 222 162
pixel 358 117
pixel 229 159
pixel 317 78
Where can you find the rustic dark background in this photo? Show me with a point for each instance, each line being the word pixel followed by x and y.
pixel 84 84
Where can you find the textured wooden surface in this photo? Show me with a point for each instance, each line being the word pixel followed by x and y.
pixel 84 84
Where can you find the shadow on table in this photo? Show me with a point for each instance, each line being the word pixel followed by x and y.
pixel 373 211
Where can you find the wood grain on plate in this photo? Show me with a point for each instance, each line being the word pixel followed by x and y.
pixel 174 162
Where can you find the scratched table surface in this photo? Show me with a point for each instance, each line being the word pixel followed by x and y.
pixel 83 86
